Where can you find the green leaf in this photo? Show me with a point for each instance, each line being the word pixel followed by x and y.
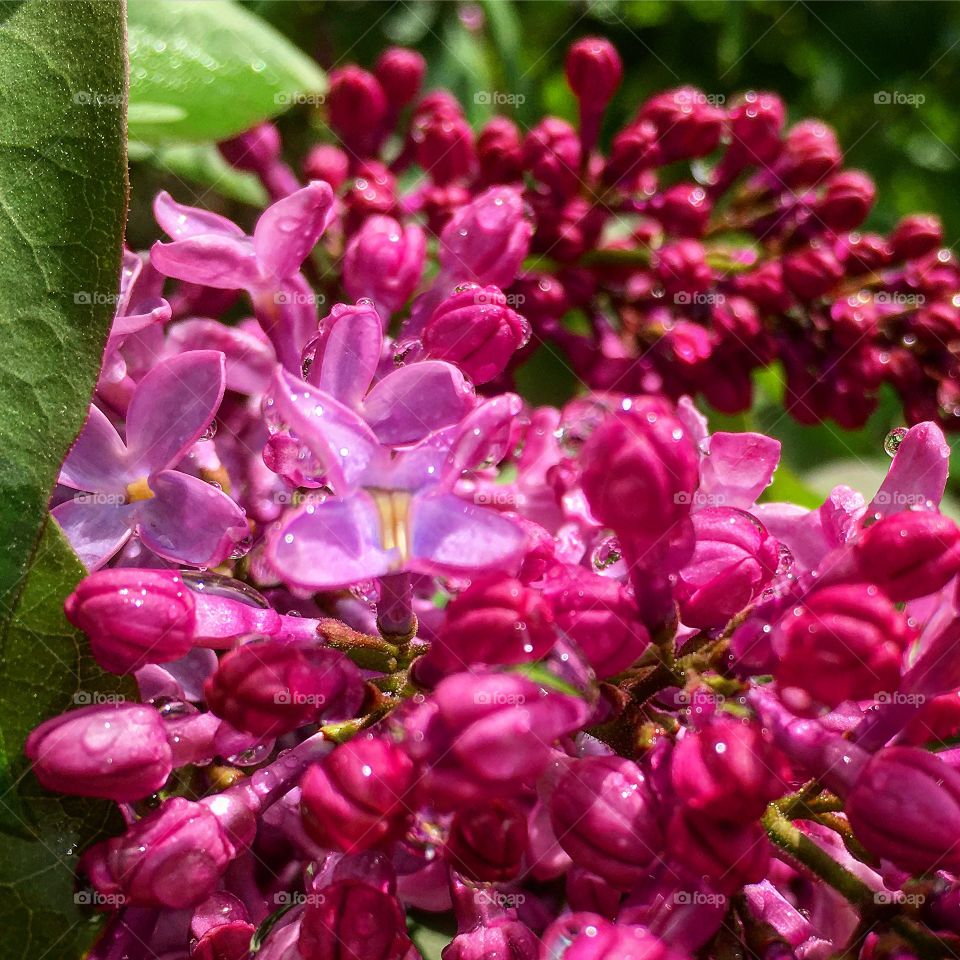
pixel 62 210
pixel 208 71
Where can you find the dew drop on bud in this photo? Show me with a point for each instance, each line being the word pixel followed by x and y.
pixel 219 586
pixel 606 554
pixel 241 548
pixel 784 559
pixel 893 439
pixel 210 432
pixel 406 351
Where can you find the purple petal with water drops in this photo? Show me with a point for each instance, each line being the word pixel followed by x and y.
pixel 287 313
pixel 738 468
pixel 180 221
pixel 96 530
pixel 250 360
pixel 97 461
pixel 350 354
pixel 172 407
pixel 212 260
pixel 331 544
pixel 289 229
pixel 416 400
pixel 189 521
pixel 483 436
pixel 918 474
pixel 451 536
pixel 336 436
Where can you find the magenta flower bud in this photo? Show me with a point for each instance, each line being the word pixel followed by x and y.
pixel 846 201
pixel 845 642
pixel 373 189
pixel 634 149
pixel 173 857
pixel 733 560
pixel 810 152
pixel 327 162
pixel 811 272
pixel 687 123
pixel 117 751
pixel 501 938
pixel 355 921
pixel 357 107
pixel 443 142
pixel 726 770
pixel 475 329
pixel 936 324
pixel 604 814
pixel 269 688
pixel 756 121
pixel 905 807
pixel 486 240
pixel 487 841
pixel 253 150
pixel 594 71
pixel 589 936
pixel 683 270
pixel 495 620
pixel 400 71
pixel 222 929
pixel 728 855
pixel 500 151
pixel 915 236
pixel 551 152
pixel 359 796
pixel 600 616
pixel 384 262
pixel 863 253
pixel 640 469
pixel 765 287
pixel 682 209
pixel 910 554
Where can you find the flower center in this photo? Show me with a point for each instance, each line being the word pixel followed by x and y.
pixel 139 490
pixel 394 509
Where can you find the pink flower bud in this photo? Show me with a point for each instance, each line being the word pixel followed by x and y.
pixel 682 268
pixel 173 857
pixel 475 329
pixel 594 71
pixel 862 253
pixel 733 560
pixel 640 469
pixel 589 936
pixel 359 796
pixel 384 262
pixel 253 150
pixel 846 201
pixel 372 190
pixel 400 71
pixel 599 615
pixel 502 939
pixel 936 324
pixel 765 287
pixel 812 272
pixel 604 814
pixel 495 620
pixel 728 855
pixel 551 152
pixel 356 106
pixel 726 770
pixel 916 236
pixel 687 123
pixel 269 688
pixel 845 642
pixel 487 841
pixel 756 120
pixel 486 240
pixel 443 142
pixel 354 920
pixel 910 554
pixel 810 152
pixel 500 151
pixel 327 162
pixel 905 807
pixel 117 751
pixel 635 149
pixel 683 209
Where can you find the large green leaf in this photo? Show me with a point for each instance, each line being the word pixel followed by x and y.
pixel 207 71
pixel 62 209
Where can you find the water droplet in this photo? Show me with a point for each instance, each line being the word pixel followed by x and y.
pixel 893 439
pixel 242 547
pixel 220 586
pixel 784 558
pixel 210 432
pixel 606 554
pixel 406 351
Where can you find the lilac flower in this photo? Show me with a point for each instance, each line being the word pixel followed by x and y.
pixel 392 510
pixel 131 487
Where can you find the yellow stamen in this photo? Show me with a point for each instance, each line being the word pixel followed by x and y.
pixel 139 490
pixel 393 507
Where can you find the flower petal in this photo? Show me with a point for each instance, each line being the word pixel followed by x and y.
pixel 350 355
pixel 188 520
pixel 96 530
pixel 415 400
pixel 227 263
pixel 483 436
pixel 250 360
pixel 918 473
pixel 171 408
pixel 450 536
pixel 97 460
pixel 289 229
pixel 336 436
pixel 738 468
pixel 331 544
pixel 180 221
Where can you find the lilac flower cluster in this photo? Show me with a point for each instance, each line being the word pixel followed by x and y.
pixel 563 682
